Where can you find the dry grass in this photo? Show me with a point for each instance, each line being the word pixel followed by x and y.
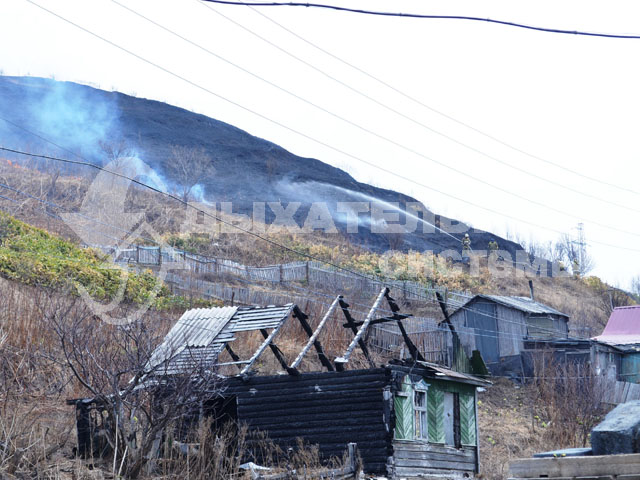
pixel 517 421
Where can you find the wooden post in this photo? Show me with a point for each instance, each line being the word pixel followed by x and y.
pixel 313 336
pixel 352 458
pixel 280 269
pixel 307 273
pixel 358 339
pixel 137 253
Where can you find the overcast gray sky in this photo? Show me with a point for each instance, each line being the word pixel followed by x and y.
pixel 567 100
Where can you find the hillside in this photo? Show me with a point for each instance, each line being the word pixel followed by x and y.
pixel 242 169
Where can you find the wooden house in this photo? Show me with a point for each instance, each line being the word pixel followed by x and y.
pixel 409 418
pixel 497 326
pixel 616 352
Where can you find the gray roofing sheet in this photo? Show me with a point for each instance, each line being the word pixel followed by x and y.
pixel 196 340
pixel 524 304
pixel 197 327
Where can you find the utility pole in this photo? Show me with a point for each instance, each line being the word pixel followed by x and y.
pixel 580 242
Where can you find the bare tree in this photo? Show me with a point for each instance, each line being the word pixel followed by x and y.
pixel 578 257
pixel 635 286
pixel 115 151
pixel 187 167
pixel 132 399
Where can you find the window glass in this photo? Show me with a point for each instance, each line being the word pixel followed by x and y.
pixel 421 428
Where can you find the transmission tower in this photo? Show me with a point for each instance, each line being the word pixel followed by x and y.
pixel 582 245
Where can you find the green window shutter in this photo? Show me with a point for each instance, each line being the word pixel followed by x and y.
pixel 435 412
pixel 404 417
pixel 467 420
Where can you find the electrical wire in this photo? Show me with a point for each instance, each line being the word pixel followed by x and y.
pixel 291 129
pixel 382 309
pixel 338 267
pixel 316 293
pixel 445 115
pixel 427 17
pixel 360 93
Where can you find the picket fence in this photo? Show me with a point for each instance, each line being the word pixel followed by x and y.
pixel 314 273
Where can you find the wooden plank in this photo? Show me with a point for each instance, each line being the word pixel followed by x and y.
pixel 606 477
pixel 435 464
pixel 576 466
pixel 424 455
pixel 432 447
pixel 313 338
pixel 359 336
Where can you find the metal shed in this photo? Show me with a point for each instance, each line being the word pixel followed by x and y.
pixel 497 326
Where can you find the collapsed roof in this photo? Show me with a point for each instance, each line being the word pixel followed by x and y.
pixel 197 340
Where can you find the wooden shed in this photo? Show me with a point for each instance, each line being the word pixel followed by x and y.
pixel 497 327
pixel 616 352
pixel 409 418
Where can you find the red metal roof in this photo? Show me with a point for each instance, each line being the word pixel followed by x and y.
pixel 623 326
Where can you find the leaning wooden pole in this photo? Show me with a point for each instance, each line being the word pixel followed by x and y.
pixel 314 336
pixel 341 361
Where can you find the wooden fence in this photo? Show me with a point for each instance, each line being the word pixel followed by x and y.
pixel 615 392
pixel 314 273
pixel 432 340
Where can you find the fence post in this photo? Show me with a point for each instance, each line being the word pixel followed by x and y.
pixel 280 269
pixel 307 272
pixel 352 457
pixel 137 253
pixel 159 255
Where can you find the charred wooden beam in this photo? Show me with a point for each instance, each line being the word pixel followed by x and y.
pixel 313 336
pixel 363 346
pixel 445 312
pixel 264 345
pixel 278 354
pixel 358 339
pixel 460 361
pixel 233 355
pixel 413 350
pixel 376 321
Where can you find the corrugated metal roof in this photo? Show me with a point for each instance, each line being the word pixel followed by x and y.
pixel 197 327
pixel 623 327
pixel 200 335
pixel 524 304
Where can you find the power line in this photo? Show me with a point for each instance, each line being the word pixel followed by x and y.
pixel 187 204
pixel 375 280
pixel 427 17
pixel 360 93
pixel 397 144
pixel 307 290
pixel 291 129
pixel 442 114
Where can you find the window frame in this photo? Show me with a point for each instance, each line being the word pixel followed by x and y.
pixel 421 413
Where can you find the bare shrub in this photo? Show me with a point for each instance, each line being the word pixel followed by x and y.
pixel 571 396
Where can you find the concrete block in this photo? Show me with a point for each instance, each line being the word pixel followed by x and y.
pixel 619 432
